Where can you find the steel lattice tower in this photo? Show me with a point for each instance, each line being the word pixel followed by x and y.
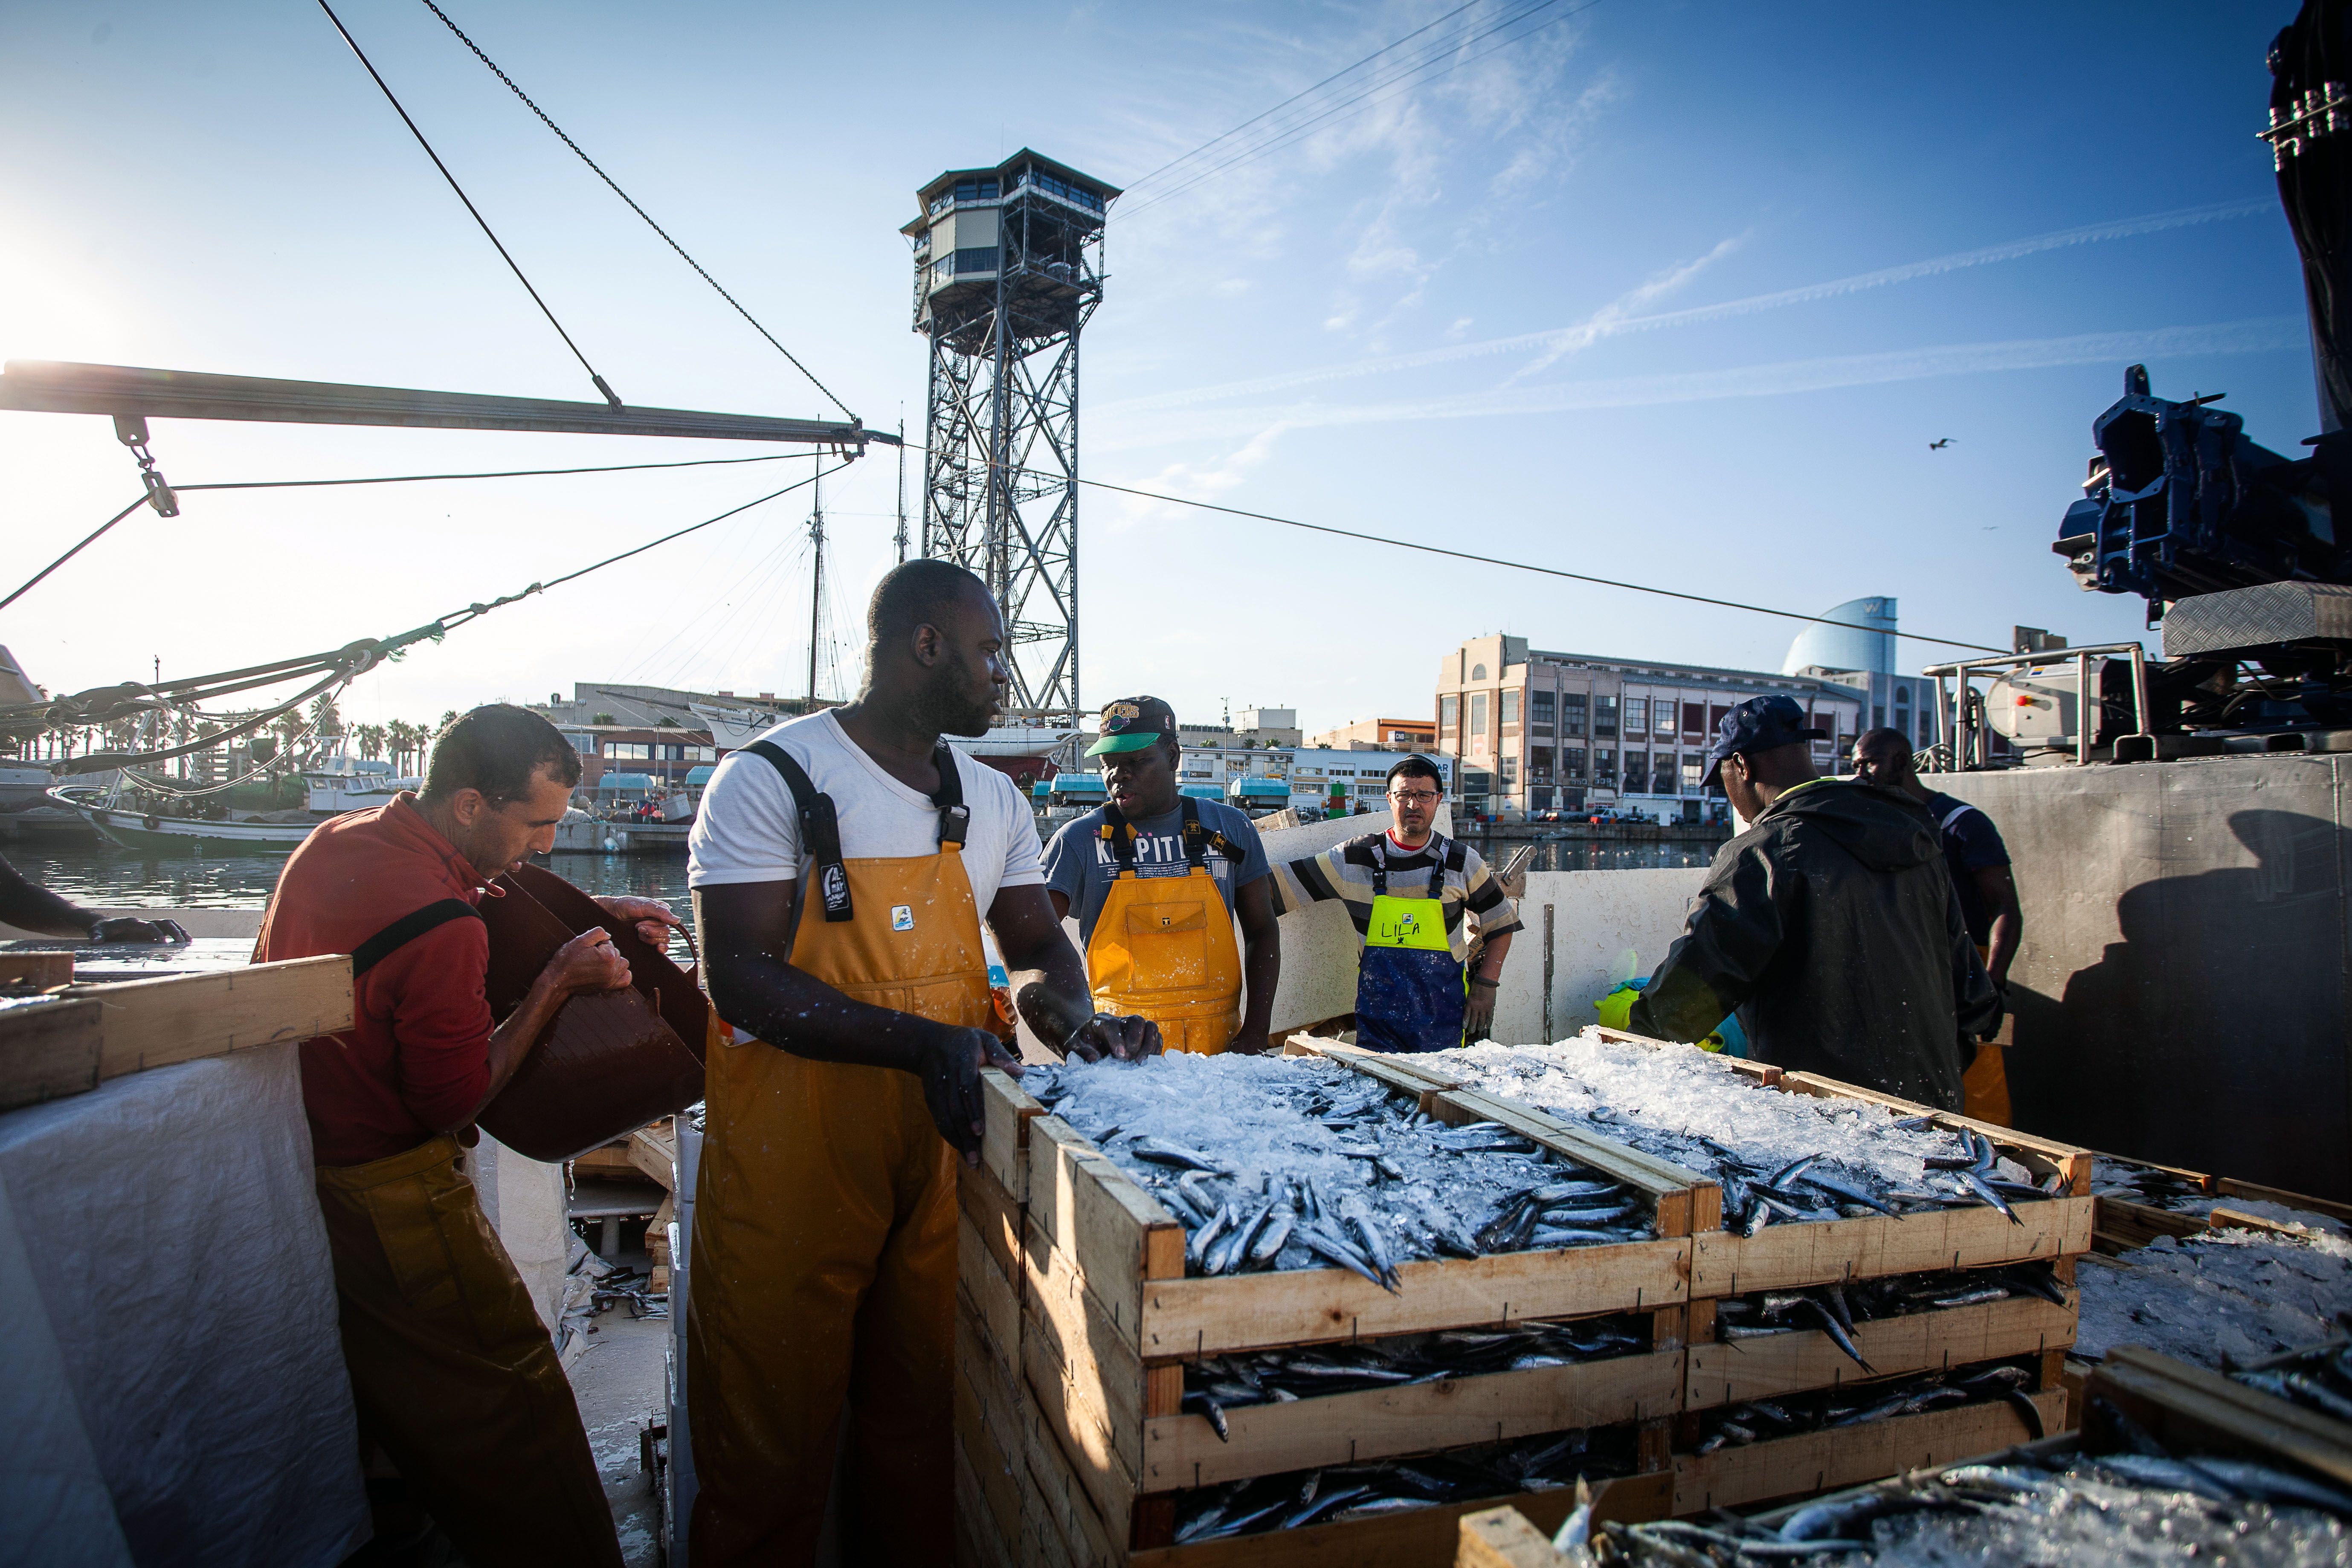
pixel 1008 267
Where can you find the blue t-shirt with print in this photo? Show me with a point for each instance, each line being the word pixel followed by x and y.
pixel 1080 866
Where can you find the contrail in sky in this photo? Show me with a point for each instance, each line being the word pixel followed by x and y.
pixel 2260 334
pixel 1560 340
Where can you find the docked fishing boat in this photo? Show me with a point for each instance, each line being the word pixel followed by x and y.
pixel 732 729
pixel 333 785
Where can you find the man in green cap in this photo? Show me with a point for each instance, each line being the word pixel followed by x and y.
pixel 1156 878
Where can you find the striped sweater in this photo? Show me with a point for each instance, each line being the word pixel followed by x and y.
pixel 1345 873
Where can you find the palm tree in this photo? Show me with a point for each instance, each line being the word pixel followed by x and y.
pixel 401 735
pixel 288 728
pixel 370 739
pixel 326 719
pixel 183 729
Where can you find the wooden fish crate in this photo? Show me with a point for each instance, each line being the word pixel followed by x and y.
pixel 1828 1252
pixel 1098 1320
pixel 2121 1224
pixel 1733 1371
pixel 1812 1462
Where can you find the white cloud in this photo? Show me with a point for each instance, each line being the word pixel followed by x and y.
pixel 2262 334
pixel 2087 233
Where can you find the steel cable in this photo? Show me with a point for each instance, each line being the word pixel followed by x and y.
pixel 599 172
pixel 462 197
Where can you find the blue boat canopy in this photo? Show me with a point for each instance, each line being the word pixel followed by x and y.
pixel 696 777
pixel 1203 792
pixel 1262 788
pixel 625 780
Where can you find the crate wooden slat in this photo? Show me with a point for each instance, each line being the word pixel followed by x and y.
pixel 1812 1462
pixel 1406 1073
pixel 1502 1538
pixel 1733 1371
pixel 1833 1251
pixel 48 1049
pixel 1299 1307
pixel 38 971
pixel 1183 1451
pixel 1415 1539
pixel 2192 1410
pixel 1006 1112
pixel 2119 1225
pixel 176 1018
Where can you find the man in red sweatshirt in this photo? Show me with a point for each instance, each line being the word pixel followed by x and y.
pixel 453 1372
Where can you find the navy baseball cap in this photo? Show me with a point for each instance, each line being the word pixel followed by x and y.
pixel 1759 724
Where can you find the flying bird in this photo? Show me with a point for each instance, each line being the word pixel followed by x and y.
pixel 1940 445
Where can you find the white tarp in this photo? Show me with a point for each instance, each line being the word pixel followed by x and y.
pixel 169 1313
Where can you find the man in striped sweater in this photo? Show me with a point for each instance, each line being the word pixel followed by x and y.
pixel 1414 896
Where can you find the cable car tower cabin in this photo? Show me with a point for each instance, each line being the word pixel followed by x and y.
pixel 1008 267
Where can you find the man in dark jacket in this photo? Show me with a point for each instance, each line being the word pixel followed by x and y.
pixel 1829 926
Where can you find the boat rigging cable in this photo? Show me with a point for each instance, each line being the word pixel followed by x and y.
pixel 91 538
pixel 509 260
pixel 1530 566
pixel 598 169
pixel 338 669
pixel 1282 136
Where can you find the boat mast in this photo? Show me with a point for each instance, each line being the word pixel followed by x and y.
pixel 816 582
pixel 902 490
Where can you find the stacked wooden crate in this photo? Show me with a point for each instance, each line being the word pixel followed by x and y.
pixel 2026 1329
pixel 2122 1225
pixel 2187 1409
pixel 1797 1257
pixel 1076 1322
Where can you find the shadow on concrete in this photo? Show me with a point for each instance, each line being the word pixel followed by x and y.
pixel 2209 1037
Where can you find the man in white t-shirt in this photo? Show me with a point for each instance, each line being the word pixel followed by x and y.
pixel 841 865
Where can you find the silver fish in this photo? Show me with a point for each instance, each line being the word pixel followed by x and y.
pixel 1196 1251
pixel 1161 1151
pixel 1274 1235
pixel 1983 1189
pixel 1976 1298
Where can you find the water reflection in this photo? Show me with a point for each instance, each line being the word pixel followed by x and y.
pixel 116 878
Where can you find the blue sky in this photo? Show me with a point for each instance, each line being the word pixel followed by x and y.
pixel 1677 293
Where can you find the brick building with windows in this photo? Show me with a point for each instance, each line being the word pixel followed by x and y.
pixel 1536 731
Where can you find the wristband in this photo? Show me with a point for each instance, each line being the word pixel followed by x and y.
pixel 1482 980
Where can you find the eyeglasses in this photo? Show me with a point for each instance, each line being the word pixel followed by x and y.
pixel 1414 797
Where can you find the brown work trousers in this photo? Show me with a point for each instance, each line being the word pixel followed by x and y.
pixel 453 1372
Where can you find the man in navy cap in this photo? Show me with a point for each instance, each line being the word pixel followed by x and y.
pixel 1829 926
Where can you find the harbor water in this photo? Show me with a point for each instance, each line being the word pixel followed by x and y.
pixel 102 877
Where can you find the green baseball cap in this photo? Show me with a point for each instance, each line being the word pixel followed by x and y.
pixel 1131 723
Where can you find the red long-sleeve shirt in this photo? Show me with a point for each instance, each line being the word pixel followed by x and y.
pixel 416 1057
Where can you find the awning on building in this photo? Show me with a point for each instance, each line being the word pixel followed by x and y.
pixel 696 777
pixel 625 780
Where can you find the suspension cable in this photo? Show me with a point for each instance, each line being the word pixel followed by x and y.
pixel 462 197
pixel 1530 566
pixel 87 541
pixel 599 172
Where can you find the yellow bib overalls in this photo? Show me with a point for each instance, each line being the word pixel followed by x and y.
pixel 824 1260
pixel 1163 946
